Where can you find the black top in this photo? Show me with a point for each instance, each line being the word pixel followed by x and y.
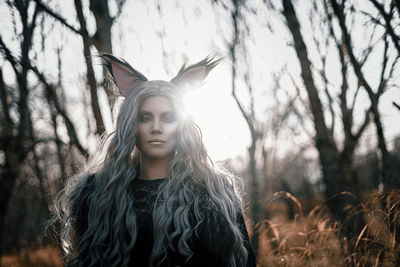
pixel 208 245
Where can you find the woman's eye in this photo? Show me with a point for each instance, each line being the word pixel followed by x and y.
pixel 169 117
pixel 145 118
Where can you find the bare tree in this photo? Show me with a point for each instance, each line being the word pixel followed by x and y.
pixel 347 110
pixel 337 163
pixel 21 143
pixel 260 128
pixel 15 136
pixel 332 172
pixel 390 21
pixel 255 130
pixel 386 73
pixel 101 40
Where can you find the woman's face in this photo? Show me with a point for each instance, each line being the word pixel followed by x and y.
pixel 157 129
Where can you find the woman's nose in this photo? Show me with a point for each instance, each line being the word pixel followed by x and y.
pixel 156 126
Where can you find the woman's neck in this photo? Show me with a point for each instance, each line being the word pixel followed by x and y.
pixel 151 169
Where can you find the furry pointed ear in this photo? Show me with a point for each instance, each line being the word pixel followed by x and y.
pixel 195 74
pixel 123 75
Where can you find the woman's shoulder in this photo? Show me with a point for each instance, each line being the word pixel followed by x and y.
pixel 208 207
pixel 214 199
pixel 212 231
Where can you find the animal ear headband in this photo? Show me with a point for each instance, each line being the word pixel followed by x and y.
pixel 127 78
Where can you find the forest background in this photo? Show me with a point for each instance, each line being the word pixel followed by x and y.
pixel 305 107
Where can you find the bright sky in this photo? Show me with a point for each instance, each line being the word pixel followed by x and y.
pixel 190 33
pixel 189 30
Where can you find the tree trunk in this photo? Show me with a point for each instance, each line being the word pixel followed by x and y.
pixel 255 198
pixel 90 72
pixel 329 157
pixel 397 3
pixel 7 180
pixel 7 175
pixel 386 172
pixel 388 179
pixel 102 37
pixel 347 163
pixel 254 180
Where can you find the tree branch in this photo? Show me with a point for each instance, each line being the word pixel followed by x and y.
pixel 363 125
pixel 372 18
pixel 9 57
pixel 396 105
pixel 387 17
pixel 232 49
pixel 383 80
pixel 120 4
pixel 323 135
pixel 347 42
pixel 57 17
pixel 328 95
pixel 70 127
pixel 91 79
pixel 49 88
pixel 387 175
pixel 4 102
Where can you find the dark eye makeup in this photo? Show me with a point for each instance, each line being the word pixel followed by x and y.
pixel 169 116
pixel 166 116
pixel 145 116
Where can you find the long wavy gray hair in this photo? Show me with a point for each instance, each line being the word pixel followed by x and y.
pixel 111 215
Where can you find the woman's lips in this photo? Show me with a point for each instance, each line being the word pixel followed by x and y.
pixel 156 142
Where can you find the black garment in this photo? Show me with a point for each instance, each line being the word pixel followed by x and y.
pixel 209 245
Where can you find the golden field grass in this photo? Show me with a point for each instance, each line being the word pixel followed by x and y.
pixel 314 239
pixel 41 257
pixel 311 239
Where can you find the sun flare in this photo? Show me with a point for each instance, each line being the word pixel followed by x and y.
pixel 213 109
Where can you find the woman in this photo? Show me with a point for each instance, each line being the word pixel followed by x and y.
pixel 153 197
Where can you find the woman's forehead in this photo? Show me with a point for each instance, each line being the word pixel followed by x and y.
pixel 156 104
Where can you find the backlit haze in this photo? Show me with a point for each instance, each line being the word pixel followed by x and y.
pixel 158 41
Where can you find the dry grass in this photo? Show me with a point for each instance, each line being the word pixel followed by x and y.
pixel 311 239
pixel 316 240
pixel 42 257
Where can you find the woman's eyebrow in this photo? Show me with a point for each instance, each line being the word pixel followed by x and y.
pixel 169 112
pixel 162 112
